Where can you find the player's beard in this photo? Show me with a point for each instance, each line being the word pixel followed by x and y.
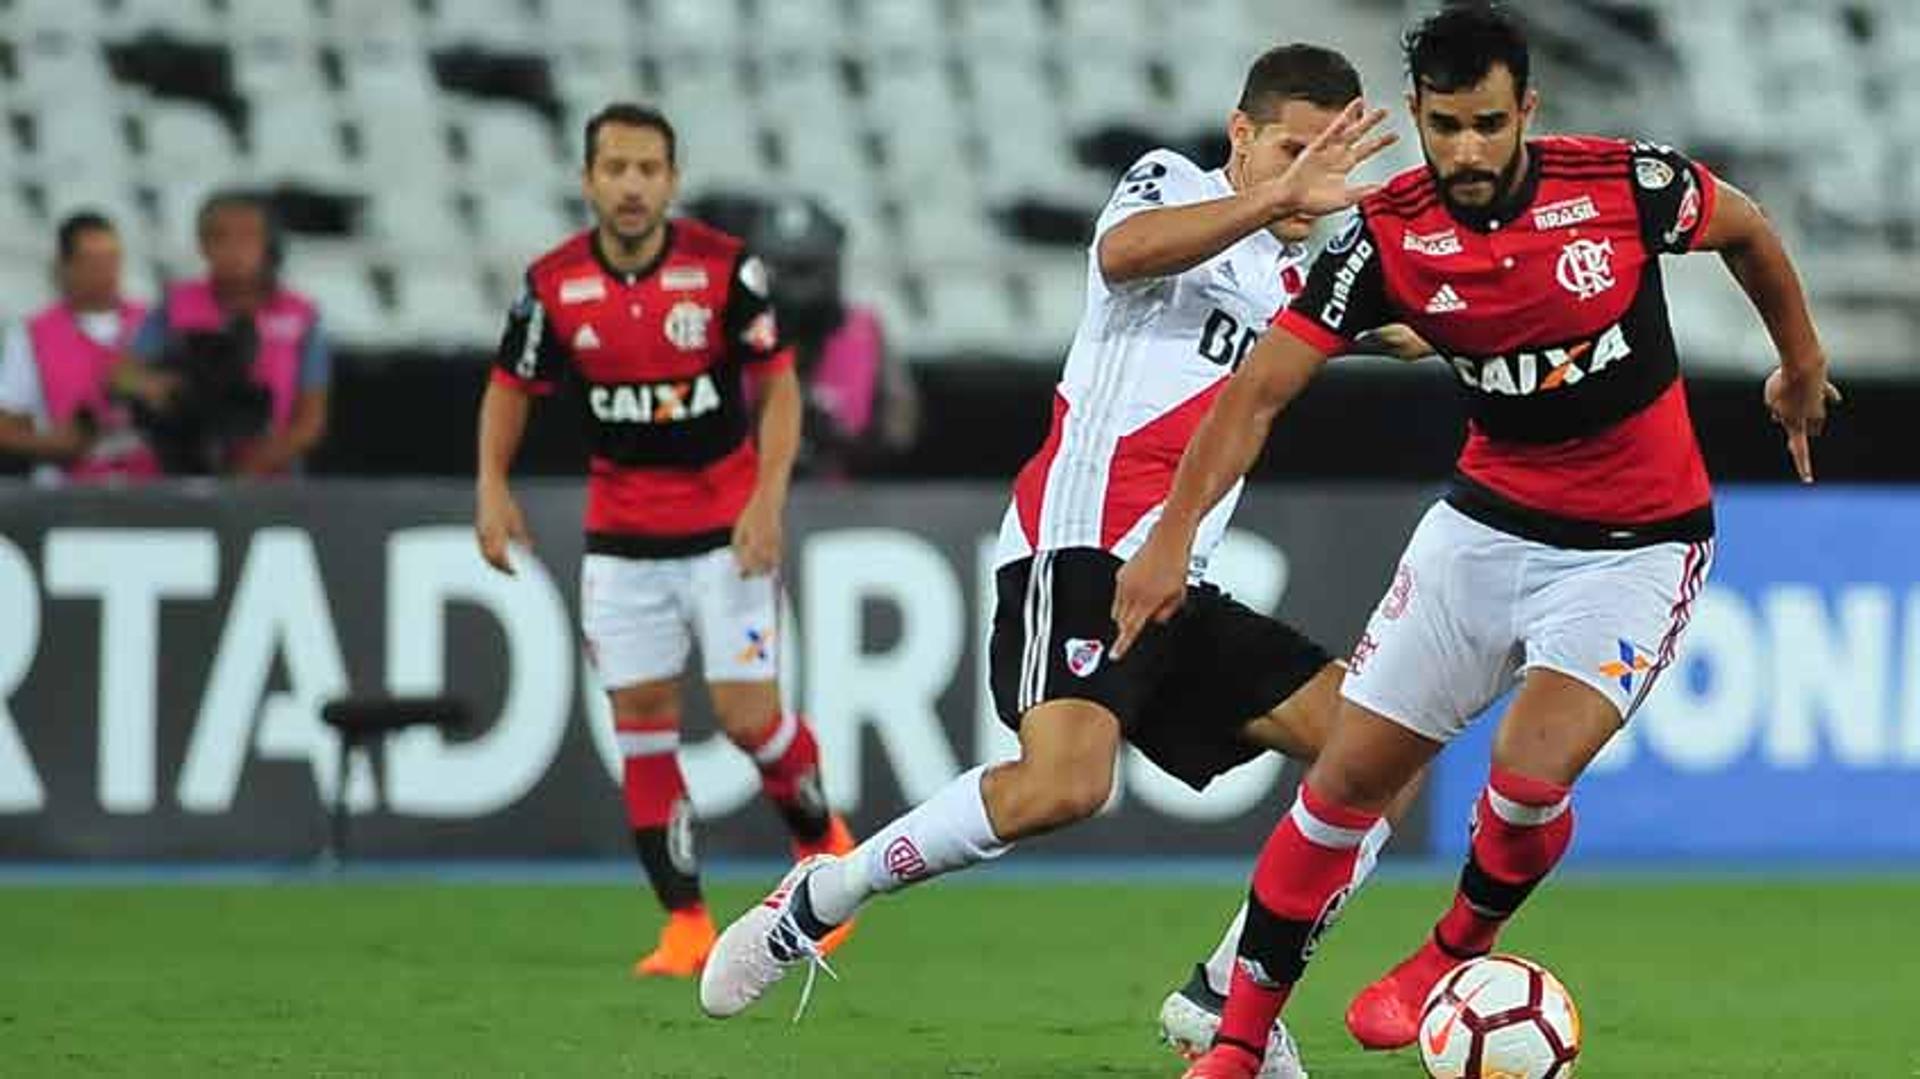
pixel 1502 182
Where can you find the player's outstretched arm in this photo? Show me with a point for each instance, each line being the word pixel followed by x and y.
pixel 1797 392
pixel 497 517
pixel 1175 239
pixel 1226 444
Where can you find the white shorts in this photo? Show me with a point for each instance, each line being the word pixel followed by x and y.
pixel 1472 608
pixel 641 615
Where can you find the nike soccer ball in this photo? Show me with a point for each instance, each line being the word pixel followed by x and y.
pixel 1499 1017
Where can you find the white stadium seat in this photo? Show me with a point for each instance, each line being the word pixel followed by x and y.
pixel 610 25
pixel 506 25
pixel 281 20
pixel 192 19
pixel 519 221
pixel 187 140
pixel 508 145
pixel 442 307
pixel 28 19
pixel 415 223
pixel 297 138
pixel 341 285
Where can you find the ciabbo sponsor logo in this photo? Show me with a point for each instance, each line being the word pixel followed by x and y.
pixel 1334 313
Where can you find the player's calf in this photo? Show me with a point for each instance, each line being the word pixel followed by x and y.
pixel 1522 827
pixel 1302 879
pixel 788 758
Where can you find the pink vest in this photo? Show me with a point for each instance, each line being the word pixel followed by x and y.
pixel 843 382
pixel 74 371
pixel 281 325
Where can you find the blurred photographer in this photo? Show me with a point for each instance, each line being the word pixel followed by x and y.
pixel 860 404
pixel 64 376
pixel 252 366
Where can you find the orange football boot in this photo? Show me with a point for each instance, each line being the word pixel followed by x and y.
pixel 684 943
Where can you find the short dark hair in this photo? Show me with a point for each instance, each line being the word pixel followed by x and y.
pixel 1298 72
pixel 76 225
pixel 1457 46
pixel 631 115
pixel 233 198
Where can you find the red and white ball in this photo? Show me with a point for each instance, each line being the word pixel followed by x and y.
pixel 1499 1017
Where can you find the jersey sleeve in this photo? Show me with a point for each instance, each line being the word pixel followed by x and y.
pixel 1160 178
pixel 1345 295
pixel 753 334
pixel 316 359
pixel 531 356
pixel 1674 195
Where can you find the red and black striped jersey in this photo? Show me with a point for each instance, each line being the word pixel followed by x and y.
pixel 1552 314
pixel 658 357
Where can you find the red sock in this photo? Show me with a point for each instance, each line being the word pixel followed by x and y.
pixel 1522 827
pixel 1302 879
pixel 655 792
pixel 789 761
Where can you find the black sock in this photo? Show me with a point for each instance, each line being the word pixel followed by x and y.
pixel 803 916
pixel 674 873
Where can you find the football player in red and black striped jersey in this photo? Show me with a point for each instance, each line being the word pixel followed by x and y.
pixel 1579 528
pixel 665 328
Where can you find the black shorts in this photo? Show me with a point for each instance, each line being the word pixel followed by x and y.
pixel 1185 691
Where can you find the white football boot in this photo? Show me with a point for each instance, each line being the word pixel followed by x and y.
pixel 1191 1014
pixel 759 948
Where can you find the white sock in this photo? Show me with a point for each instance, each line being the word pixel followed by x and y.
pixel 1219 965
pixel 946 832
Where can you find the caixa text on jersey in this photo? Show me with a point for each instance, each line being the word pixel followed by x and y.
pixel 1525 373
pixel 654 402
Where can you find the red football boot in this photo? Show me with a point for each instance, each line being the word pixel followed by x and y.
pixel 1386 1014
pixel 1224 1062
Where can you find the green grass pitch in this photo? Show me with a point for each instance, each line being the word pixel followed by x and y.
pixel 1732 977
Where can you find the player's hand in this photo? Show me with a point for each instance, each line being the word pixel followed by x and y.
pixel 68 443
pixel 1316 183
pixel 756 536
pixel 1396 340
pixel 1799 405
pixel 147 384
pixel 1150 588
pixel 497 524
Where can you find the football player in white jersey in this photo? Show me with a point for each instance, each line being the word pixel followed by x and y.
pixel 1186 268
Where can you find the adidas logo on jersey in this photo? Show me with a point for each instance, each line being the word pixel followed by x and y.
pixel 1444 301
pixel 584 337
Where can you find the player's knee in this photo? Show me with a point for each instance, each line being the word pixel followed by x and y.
pixel 746 711
pixel 1080 799
pixel 1029 797
pixel 646 700
pixel 1346 783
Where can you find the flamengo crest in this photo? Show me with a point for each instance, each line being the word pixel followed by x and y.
pixel 1586 268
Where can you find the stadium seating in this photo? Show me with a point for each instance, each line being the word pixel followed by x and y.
pixel 940 131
